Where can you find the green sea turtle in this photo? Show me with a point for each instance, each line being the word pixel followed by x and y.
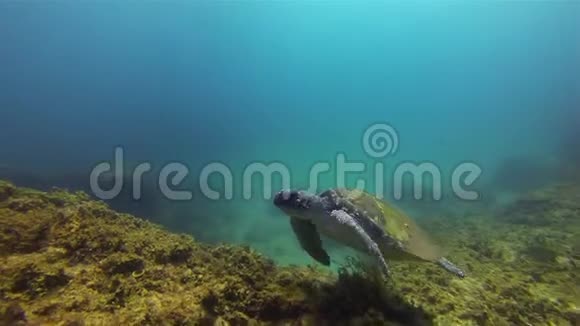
pixel 360 221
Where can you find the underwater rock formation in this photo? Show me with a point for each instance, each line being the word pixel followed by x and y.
pixel 66 258
pixel 69 260
pixel 557 205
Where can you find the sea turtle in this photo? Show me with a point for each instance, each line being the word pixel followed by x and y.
pixel 360 221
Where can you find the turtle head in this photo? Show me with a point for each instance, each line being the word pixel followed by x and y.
pixel 296 203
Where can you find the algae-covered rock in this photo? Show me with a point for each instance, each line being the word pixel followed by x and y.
pixel 556 205
pixel 68 260
pixel 6 190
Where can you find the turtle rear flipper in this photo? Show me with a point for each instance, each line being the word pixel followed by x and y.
pixel 450 267
pixel 309 239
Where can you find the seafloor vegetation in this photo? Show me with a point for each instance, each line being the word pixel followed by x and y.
pixel 68 260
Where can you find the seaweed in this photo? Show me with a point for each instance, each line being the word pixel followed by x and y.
pixel 70 259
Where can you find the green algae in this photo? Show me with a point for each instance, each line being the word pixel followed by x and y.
pixel 68 260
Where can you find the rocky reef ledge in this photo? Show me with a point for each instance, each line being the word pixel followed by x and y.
pixel 68 260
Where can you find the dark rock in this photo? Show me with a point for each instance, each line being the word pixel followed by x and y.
pixel 123 264
pixel 14 314
pixel 6 191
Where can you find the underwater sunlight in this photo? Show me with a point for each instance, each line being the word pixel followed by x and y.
pixel 289 162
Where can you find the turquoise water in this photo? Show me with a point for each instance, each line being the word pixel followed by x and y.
pixel 494 83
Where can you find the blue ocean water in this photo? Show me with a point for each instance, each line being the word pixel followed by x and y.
pixel 296 82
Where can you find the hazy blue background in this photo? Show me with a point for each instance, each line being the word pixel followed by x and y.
pixel 497 83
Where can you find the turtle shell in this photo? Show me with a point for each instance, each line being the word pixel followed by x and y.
pixel 392 221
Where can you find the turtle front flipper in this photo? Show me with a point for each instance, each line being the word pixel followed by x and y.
pixel 450 267
pixel 309 239
pixel 373 249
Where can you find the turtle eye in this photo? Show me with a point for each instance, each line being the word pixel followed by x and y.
pixel 303 203
pixel 294 197
pixel 299 200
